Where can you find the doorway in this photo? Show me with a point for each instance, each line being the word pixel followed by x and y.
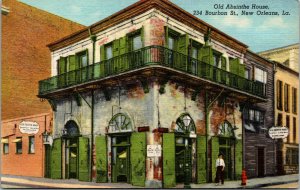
pixel 183 158
pixel 72 158
pixel 47 161
pixel 260 161
pixel 225 147
pixel 120 158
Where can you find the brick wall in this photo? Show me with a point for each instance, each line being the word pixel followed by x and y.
pixel 25 58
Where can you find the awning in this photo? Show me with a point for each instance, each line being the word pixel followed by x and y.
pixel 17 140
pixel 4 140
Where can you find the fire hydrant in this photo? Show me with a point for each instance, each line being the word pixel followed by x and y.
pixel 244 177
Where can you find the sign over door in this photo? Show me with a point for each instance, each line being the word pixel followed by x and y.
pixel 278 132
pixel 29 127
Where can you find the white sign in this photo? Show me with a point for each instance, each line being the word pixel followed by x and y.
pixel 278 132
pixel 29 127
pixel 153 150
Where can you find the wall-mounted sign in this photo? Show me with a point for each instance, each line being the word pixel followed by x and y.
pixel 29 127
pixel 278 132
pixel 154 150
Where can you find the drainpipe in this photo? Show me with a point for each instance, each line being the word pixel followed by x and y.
pixel 92 164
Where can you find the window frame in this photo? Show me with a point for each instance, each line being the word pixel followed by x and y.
pixel 286 100
pixel 105 50
pixel 294 129
pixel 294 100
pixel 279 93
pixel 29 143
pixel 20 144
pixel 4 145
pixel 264 71
pixel 78 60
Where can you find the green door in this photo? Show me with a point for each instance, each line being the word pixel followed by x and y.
pixel 214 155
pixel 101 159
pixel 47 161
pixel 238 159
pixel 206 56
pixel 83 159
pixel 56 159
pixel 61 77
pixel 138 158
pixel 201 159
pixel 183 158
pixel 182 48
pixel 169 178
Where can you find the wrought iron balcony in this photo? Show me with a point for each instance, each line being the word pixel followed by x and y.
pixel 151 55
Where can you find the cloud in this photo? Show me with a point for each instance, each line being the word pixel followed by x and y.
pixel 273 22
pixel 235 21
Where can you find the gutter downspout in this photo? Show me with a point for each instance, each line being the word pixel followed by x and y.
pixel 92 164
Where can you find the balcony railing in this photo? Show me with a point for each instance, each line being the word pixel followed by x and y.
pixel 151 55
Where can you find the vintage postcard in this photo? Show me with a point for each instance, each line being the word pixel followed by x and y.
pixel 150 94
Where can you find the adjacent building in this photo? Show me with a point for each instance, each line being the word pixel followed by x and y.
pixel 286 104
pixel 24 61
pixel 151 95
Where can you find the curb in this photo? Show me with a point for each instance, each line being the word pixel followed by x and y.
pixel 27 185
pixel 269 184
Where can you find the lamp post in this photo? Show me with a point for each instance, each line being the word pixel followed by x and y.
pixel 186 120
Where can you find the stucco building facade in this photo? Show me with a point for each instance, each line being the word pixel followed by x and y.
pixel 150 96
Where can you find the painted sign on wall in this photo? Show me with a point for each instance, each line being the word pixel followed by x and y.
pixel 29 127
pixel 278 132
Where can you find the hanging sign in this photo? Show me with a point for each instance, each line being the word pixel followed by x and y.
pixel 29 127
pixel 153 150
pixel 278 132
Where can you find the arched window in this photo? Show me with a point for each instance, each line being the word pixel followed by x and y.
pixel 71 129
pixel 120 123
pixel 185 124
pixel 225 129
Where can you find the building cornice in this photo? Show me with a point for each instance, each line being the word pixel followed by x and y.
pixel 280 65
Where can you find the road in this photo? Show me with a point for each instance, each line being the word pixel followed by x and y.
pixel 288 185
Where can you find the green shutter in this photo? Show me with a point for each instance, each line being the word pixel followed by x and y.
pixel 201 159
pixel 56 166
pixel 238 159
pixel 138 158
pixel 102 53
pixel 166 37
pixel 169 179
pixel 123 50
pixel 214 155
pixel 143 36
pixel 83 159
pixel 182 48
pixel 100 68
pixel 234 65
pixel 206 56
pixel 72 67
pixel 116 52
pixel 101 159
pixel 61 71
pixel 224 77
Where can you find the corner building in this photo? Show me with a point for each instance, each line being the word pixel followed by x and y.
pixel 150 74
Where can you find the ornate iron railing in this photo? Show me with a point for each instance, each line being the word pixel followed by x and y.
pixel 151 55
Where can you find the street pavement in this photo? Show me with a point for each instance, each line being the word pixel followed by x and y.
pixel 9 181
pixel 286 186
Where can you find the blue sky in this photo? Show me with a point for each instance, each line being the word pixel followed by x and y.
pixel 258 32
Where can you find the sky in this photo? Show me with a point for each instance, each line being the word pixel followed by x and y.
pixel 259 32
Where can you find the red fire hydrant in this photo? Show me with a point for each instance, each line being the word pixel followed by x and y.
pixel 244 177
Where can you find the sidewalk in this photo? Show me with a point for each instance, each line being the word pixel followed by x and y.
pixel 35 182
pixel 252 183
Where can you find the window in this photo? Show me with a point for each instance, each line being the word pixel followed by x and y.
pixel 294 100
pixel 247 73
pixel 287 123
pixel 217 57
pixel 137 42
pixel 18 145
pixel 31 145
pixel 260 75
pixel 292 156
pixel 5 145
pixel 279 94
pixel 294 129
pixel 286 97
pixel 256 116
pixel 279 119
pixel 82 59
pixel 108 52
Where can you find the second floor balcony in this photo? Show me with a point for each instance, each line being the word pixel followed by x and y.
pixel 148 57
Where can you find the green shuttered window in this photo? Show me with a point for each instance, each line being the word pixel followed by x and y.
pixel 169 179
pixel 238 159
pixel 56 164
pixel 138 158
pixel 84 174
pixel 201 159
pixel 101 159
